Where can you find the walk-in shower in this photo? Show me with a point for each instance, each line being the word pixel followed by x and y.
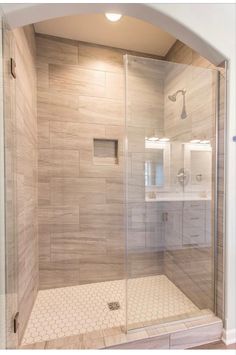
pixel 126 192
pixel 162 268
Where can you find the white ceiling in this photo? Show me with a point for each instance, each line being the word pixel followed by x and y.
pixel 128 33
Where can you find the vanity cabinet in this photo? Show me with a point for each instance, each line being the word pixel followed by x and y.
pixel 194 223
pixel 173 228
pixel 172 222
pixel 169 225
pixel 186 223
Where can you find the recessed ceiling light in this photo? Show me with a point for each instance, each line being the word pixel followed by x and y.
pixel 113 17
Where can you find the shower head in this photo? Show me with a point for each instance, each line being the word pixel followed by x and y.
pixel 173 99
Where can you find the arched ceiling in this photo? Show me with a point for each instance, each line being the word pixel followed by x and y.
pixel 128 33
pixel 161 15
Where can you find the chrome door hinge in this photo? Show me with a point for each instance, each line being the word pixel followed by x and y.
pixel 13 68
pixel 16 322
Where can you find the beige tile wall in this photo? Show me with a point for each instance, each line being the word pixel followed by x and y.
pixel 145 108
pixel 26 161
pixel 180 53
pixel 191 269
pixel 81 199
pixel 80 97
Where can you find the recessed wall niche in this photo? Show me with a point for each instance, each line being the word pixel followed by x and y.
pixel 105 151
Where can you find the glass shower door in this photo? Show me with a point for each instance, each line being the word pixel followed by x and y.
pixel 170 127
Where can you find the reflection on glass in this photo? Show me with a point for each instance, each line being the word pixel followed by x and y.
pixel 154 171
pixel 170 239
pixel 198 164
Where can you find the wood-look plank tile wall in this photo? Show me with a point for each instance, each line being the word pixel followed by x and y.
pixel 80 97
pixel 180 53
pixel 191 269
pixel 145 108
pixel 26 161
pixel 81 199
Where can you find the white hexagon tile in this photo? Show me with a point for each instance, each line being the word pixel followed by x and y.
pixel 80 309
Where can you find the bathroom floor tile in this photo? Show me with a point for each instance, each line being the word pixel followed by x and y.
pixel 69 311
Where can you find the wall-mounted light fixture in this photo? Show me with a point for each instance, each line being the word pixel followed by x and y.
pixel 205 141
pixel 195 141
pixel 198 141
pixel 152 139
pixel 164 139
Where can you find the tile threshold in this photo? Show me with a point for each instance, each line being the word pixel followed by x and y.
pixel 172 320
pixel 116 337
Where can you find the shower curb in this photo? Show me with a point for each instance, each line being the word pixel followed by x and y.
pixel 182 335
pixel 173 335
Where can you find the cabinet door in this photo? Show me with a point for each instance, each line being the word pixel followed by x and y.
pixel 173 229
pixel 193 226
pixel 194 223
pixel 193 236
pixel 154 226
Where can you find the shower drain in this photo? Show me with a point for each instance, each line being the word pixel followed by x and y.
pixel 113 306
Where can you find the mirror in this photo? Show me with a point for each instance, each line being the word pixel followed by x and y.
pixel 154 168
pixel 157 166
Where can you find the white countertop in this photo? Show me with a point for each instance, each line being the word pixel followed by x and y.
pixel 162 196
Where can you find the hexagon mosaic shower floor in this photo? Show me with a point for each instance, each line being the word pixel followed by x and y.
pixel 80 309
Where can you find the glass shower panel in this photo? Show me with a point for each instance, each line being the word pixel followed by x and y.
pixel 2 224
pixel 8 278
pixel 170 125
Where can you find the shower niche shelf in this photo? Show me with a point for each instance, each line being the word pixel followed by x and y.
pixel 105 151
